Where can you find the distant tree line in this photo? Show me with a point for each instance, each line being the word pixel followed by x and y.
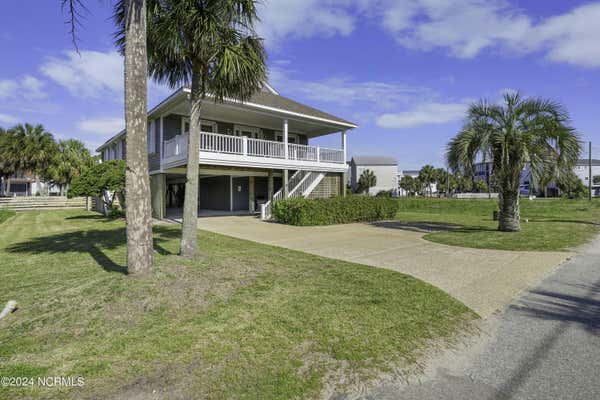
pixel 445 183
pixel 31 149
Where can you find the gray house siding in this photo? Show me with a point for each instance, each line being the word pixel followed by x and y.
pixel 241 188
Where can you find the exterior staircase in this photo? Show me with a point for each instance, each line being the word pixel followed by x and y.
pixel 42 203
pixel 300 184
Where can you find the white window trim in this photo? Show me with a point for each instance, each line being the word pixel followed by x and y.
pixel 185 120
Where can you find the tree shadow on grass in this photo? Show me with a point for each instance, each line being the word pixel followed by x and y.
pixel 572 221
pixel 95 242
pixel 428 227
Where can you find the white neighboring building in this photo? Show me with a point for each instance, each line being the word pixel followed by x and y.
pixel 582 171
pixel 413 173
pixel 384 168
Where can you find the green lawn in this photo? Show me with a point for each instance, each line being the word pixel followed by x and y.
pixel 554 224
pixel 248 321
pixel 4 215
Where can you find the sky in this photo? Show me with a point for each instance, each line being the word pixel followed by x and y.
pixel 403 70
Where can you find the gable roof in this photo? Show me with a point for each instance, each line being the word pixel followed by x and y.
pixel 374 160
pixel 277 101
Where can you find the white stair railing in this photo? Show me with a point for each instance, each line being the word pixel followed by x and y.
pixel 302 183
pixel 307 185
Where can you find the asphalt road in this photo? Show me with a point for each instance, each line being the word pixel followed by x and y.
pixel 546 345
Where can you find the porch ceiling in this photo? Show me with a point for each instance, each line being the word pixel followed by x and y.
pixel 243 115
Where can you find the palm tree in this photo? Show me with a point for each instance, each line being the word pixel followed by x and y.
pixel 521 131
pixel 366 181
pixel 409 185
pixel 34 149
pixel 131 38
pixel 6 166
pixel 427 175
pixel 211 45
pixel 71 158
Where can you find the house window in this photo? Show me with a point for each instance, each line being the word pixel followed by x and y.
pixel 292 137
pixel 248 131
pixel 205 126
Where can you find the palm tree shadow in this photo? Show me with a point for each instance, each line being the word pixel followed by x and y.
pixel 429 227
pixel 94 242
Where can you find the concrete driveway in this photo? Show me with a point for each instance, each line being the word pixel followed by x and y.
pixel 485 280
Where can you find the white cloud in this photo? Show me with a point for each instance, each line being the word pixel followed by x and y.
pixel 305 18
pixel 33 88
pixel 570 38
pixel 28 87
pixel 463 28
pixel 424 114
pixel 88 74
pixel 8 88
pixel 102 126
pixel 346 91
pixel 467 27
pixel 8 119
pixel 93 74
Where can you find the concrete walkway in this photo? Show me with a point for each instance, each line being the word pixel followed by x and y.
pixel 545 346
pixel 485 280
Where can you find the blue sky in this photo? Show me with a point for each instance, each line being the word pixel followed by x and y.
pixel 404 70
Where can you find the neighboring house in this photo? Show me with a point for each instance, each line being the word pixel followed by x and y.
pixel 251 153
pixel 582 170
pixel 24 184
pixel 384 168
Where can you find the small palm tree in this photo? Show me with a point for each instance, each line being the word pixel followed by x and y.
pixel 212 46
pixel 427 176
pixel 366 181
pixel 521 131
pixel 409 185
pixel 71 158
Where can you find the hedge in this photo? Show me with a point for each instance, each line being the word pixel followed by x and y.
pixel 334 210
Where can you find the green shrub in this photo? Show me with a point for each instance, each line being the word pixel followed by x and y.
pixel 334 210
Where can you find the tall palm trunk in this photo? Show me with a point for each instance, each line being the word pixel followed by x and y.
pixel 137 178
pixel 509 218
pixel 189 232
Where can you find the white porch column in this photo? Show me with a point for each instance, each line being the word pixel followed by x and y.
pixel 344 144
pixel 285 138
pixel 251 194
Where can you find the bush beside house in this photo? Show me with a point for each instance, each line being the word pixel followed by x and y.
pixel 335 210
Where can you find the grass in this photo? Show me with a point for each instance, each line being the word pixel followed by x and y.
pixel 5 214
pixel 247 321
pixel 554 224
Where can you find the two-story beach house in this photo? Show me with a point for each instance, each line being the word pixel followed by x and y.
pixel 251 153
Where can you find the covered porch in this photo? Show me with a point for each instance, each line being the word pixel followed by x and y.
pixel 230 191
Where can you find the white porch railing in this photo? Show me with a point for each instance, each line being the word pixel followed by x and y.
pixel 302 152
pixel 218 143
pixel 331 155
pixel 265 148
pixel 228 144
